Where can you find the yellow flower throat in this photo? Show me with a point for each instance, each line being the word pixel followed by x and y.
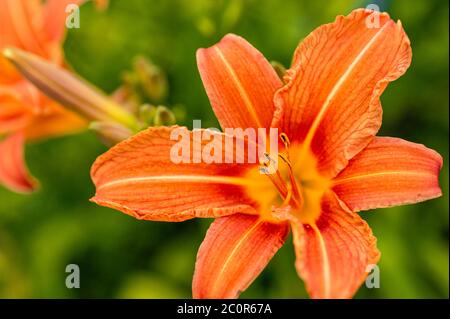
pixel 295 188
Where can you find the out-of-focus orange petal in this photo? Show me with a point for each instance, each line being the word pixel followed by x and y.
pixel 21 25
pixel 389 171
pixel 333 254
pixel 13 171
pixel 55 121
pixel 240 83
pixel 235 251
pixel 8 73
pixel 331 100
pixel 23 107
pixel 139 178
pixel 14 115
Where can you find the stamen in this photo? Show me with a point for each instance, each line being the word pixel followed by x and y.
pixel 297 196
pixel 271 160
pixel 277 182
pixel 285 139
pixel 288 196
pixel 277 172
pixel 285 159
pixel 290 192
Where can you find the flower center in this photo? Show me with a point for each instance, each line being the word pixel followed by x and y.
pixel 290 190
pixel 292 186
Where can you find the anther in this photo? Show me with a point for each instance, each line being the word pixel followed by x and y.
pixel 277 180
pixel 268 158
pixel 285 139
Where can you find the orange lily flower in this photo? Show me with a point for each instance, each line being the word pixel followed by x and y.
pixel 25 113
pixel 332 167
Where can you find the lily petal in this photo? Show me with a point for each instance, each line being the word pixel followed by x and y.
pixel 389 171
pixel 56 121
pixel 138 177
pixel 20 22
pixel 13 171
pixel 333 254
pixel 14 115
pixel 235 251
pixel 330 103
pixel 240 83
pixel 8 73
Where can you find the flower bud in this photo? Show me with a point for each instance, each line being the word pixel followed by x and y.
pixel 147 113
pixel 151 79
pixel 70 90
pixel 163 117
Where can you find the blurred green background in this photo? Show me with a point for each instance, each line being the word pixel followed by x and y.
pixel 122 257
